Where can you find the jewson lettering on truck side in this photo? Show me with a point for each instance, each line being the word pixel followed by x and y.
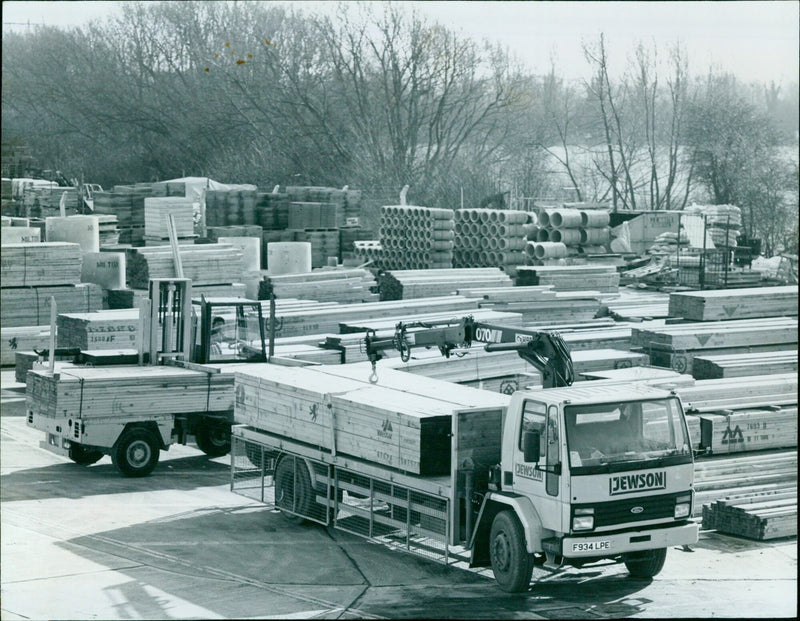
pixel 630 483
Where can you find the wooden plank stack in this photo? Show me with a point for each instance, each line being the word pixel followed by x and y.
pixel 158 208
pixel 539 302
pixel 416 237
pixel 40 264
pixel 130 298
pixel 13 340
pixel 749 429
pixel 411 284
pixel 740 393
pixel 734 303
pixel 127 204
pixel 44 202
pixel 751 363
pixel 336 408
pixel 105 329
pixel 761 516
pixel 215 232
pixel 330 284
pixel 595 277
pixel 108 231
pixel 30 306
pixel 205 264
pixel 490 238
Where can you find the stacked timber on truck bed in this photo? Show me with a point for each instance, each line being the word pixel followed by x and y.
pixel 333 285
pixel 410 284
pixel 539 302
pixel 205 264
pixel 101 391
pixel 751 363
pixel 594 277
pixel 677 346
pixel 105 329
pixel 391 423
pixel 734 303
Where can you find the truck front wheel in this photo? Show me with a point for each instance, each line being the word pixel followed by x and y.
pixel 213 437
pixel 511 563
pixel 645 564
pixel 293 491
pixel 136 453
pixel 83 455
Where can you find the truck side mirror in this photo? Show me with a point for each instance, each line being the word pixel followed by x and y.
pixel 530 446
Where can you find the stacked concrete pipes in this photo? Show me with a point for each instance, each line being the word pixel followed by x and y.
pixel 369 250
pixel 559 229
pixel 490 238
pixel 416 237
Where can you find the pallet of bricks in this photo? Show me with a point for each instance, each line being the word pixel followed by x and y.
pixel 33 273
pixel 557 233
pixel 490 238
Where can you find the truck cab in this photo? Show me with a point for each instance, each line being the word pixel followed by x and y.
pixel 587 473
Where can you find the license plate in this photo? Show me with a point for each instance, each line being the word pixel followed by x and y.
pixel 591 546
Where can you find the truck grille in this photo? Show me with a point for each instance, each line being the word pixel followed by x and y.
pixel 627 510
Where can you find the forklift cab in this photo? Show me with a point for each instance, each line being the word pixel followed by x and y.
pixel 227 330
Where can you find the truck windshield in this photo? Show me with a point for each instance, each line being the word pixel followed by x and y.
pixel 235 334
pixel 598 435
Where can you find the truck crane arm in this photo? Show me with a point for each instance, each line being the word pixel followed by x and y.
pixel 544 350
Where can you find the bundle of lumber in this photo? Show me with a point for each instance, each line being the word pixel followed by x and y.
pixel 755 515
pixel 26 338
pixel 633 305
pixel 205 264
pixel 40 264
pixel 751 363
pixel 749 429
pixel 677 346
pixel 43 202
pixel 336 408
pixel 416 237
pixel 330 284
pixel 596 277
pixel 735 303
pixel 739 393
pixel 104 329
pixel 130 298
pixel 539 302
pixel 107 230
pixel 100 391
pixel 410 284
pixel 30 306
pixel 157 210
pixel 490 238
pixel 127 203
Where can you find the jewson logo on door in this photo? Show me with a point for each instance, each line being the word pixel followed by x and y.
pixel 528 472
pixel 630 483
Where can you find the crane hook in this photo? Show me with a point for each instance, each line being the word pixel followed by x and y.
pixel 373 378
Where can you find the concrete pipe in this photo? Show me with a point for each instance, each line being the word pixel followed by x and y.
pixel 493 258
pixel 474 229
pixel 565 218
pixel 493 230
pixel 570 237
pixel 594 237
pixel 492 243
pixel 550 250
pixel 542 235
pixel 530 249
pixel 442 245
pixel 474 215
pixel 595 219
pixel 544 218
pixel 531 230
pixel 493 216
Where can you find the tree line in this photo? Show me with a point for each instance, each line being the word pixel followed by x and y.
pixel 379 97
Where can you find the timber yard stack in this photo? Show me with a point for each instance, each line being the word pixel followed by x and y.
pixel 32 273
pixel 105 329
pixel 233 207
pixel 410 284
pixel 207 264
pixel 157 210
pixel 538 303
pixel 44 202
pixel 734 304
pixel 108 230
pixel 416 237
pixel 737 365
pixel 490 238
pixel 603 278
pixel 330 284
pixel 26 338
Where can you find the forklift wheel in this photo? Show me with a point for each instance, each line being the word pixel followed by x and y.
pixel 136 453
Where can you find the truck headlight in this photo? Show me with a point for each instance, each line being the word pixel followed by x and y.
pixel 683 506
pixel 583 519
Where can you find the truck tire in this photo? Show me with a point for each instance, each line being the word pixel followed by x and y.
pixel 83 455
pixel 645 564
pixel 293 490
pixel 213 437
pixel 511 563
pixel 136 453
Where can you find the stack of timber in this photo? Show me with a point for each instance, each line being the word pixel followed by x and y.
pixel 108 231
pixel 765 473
pixel 131 298
pixel 416 237
pixel 751 363
pixel 104 329
pixel 734 304
pixel 13 340
pixel 603 278
pixel 205 264
pixel 410 284
pixel 677 346
pixel 389 423
pixel 490 238
pixel 755 515
pixel 331 284
pixel 30 306
pixel 213 233
pixel 757 391
pixel 743 430
pixel 45 202
pixel 539 302
pixel 156 212
pixel 96 391
pixel 635 305
pixel 39 264
pixel 127 204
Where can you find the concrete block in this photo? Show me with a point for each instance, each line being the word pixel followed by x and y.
pixel 106 269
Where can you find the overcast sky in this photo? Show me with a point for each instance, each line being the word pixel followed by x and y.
pixel 755 40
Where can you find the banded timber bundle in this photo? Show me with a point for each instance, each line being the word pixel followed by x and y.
pixel 13 340
pixel 100 391
pixel 761 516
pixel 44 202
pixel 127 204
pixel 750 363
pixel 332 285
pixel 157 209
pixel 749 429
pixel 756 391
pixel 384 423
pixel 539 302
pixel 734 303
pixel 108 231
pixel 603 278
pixel 30 306
pixel 416 237
pixel 490 238
pixel 40 264
pixel 105 329
pixel 205 264
pixel 410 284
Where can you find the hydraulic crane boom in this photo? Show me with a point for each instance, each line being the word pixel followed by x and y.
pixel 544 350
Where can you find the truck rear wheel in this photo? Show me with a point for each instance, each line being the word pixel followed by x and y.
pixel 213 437
pixel 136 453
pixel 83 455
pixel 293 490
pixel 645 564
pixel 511 563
